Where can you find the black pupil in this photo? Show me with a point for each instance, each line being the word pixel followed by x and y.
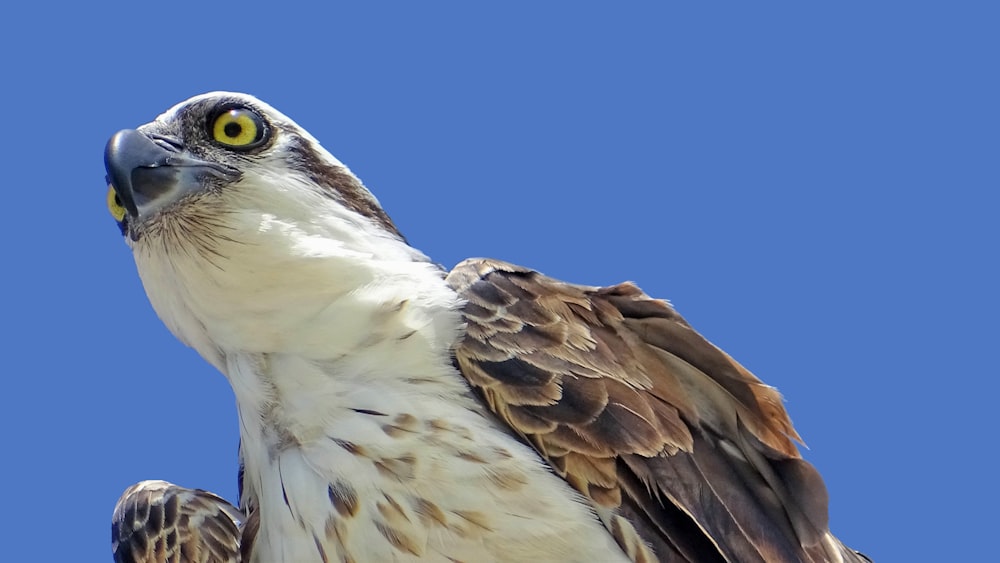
pixel 118 201
pixel 233 130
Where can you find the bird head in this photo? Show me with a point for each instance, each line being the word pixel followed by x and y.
pixel 234 214
pixel 220 152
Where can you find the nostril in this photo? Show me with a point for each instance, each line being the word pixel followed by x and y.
pixel 172 144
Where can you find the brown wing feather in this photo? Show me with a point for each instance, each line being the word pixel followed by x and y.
pixel 159 522
pixel 661 429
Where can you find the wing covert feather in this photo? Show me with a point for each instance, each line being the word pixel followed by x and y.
pixel 159 522
pixel 663 431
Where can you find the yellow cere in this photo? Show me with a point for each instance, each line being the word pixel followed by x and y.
pixel 236 128
pixel 114 205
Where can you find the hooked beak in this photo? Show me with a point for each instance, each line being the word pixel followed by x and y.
pixel 151 171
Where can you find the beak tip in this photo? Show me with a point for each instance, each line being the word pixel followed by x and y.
pixel 119 167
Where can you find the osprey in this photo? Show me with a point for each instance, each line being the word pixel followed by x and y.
pixel 392 411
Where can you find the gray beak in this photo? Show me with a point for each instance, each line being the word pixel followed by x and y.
pixel 148 172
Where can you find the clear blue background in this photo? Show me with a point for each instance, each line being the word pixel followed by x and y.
pixel 814 187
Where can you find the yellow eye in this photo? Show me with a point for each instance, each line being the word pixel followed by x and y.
pixel 238 127
pixel 115 205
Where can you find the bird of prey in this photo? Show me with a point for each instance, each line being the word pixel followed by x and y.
pixel 390 410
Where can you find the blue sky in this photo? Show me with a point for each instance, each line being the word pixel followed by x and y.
pixel 814 188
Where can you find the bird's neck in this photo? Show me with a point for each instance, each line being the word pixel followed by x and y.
pixel 319 289
pixel 336 315
pixel 383 347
